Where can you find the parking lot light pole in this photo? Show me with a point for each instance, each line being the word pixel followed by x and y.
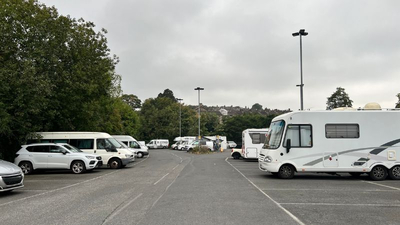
pixel 199 89
pixel 180 117
pixel 301 33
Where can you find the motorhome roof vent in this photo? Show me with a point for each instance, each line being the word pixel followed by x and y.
pixel 372 106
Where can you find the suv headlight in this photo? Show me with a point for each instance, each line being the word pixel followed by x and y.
pixel 90 157
pixel 268 159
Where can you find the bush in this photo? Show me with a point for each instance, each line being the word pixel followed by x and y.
pixel 200 150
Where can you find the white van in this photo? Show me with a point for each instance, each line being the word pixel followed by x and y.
pixel 141 150
pixel 348 141
pixel 158 143
pixel 252 142
pixel 102 144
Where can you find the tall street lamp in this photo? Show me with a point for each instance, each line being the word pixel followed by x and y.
pixel 180 117
pixel 199 89
pixel 301 33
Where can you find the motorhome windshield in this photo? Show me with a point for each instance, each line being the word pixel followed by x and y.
pixel 274 135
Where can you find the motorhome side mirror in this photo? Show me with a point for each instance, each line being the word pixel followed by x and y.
pixel 288 145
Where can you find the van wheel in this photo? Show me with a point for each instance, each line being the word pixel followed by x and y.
pixel 26 167
pixel 286 172
pixel 378 173
pixel 394 173
pixel 115 163
pixel 78 167
pixel 140 155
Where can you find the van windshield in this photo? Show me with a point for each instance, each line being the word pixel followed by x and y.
pixel 115 143
pixel 274 136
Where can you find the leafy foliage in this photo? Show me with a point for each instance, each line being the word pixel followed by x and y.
pixel 56 74
pixel 132 100
pixel 398 102
pixel 233 126
pixel 167 94
pixel 339 99
pixel 257 107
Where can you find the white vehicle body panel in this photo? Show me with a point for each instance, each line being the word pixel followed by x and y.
pixel 252 142
pixel 377 142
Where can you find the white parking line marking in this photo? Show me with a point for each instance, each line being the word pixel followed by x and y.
pixel 115 213
pixel 276 203
pixel 58 189
pixel 382 185
pixel 330 190
pixel 161 179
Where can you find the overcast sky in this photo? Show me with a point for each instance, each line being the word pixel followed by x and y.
pixel 242 51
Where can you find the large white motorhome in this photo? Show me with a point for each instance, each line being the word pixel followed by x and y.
pixel 347 141
pixel 113 154
pixel 252 142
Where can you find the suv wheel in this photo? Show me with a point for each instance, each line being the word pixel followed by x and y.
pixel 78 167
pixel 26 167
pixel 140 155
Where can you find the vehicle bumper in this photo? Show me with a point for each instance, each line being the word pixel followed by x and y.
pixel 126 161
pixel 11 182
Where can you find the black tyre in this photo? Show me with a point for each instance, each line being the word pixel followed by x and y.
pixel 140 155
pixel 26 167
pixel 78 167
pixel 394 173
pixel 236 155
pixel 286 172
pixel 378 173
pixel 115 163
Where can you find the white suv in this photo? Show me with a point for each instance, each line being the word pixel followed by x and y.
pixel 55 156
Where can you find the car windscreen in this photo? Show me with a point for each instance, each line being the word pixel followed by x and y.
pixel 115 143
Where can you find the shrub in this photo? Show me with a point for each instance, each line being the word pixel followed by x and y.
pixel 200 150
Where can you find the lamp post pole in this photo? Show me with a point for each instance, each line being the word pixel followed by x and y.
pixel 199 89
pixel 180 116
pixel 301 33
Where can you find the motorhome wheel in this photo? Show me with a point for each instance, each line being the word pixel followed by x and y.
pixel 378 173
pixel 394 173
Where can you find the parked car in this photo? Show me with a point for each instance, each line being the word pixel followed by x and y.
pixel 11 176
pixel 158 143
pixel 231 144
pixel 203 143
pixel 55 156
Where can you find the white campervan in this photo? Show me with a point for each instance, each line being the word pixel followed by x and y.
pixel 347 141
pixel 252 142
pixel 113 154
pixel 141 150
pixel 158 143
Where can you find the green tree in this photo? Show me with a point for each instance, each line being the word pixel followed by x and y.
pixel 339 99
pixel 233 126
pixel 167 94
pixel 132 100
pixel 56 73
pixel 398 102
pixel 257 107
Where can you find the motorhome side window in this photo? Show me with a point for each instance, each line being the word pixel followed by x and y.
pixel 300 136
pixel 342 131
pixel 257 138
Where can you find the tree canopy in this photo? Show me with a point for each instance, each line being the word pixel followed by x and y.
pixel 56 74
pixel 339 99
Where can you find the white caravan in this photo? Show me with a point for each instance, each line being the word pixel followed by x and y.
pixel 113 154
pixel 252 142
pixel 355 142
pixel 140 149
pixel 158 143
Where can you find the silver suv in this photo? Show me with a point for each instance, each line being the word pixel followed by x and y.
pixel 11 176
pixel 55 156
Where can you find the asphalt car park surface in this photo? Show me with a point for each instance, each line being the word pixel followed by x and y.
pixel 176 187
